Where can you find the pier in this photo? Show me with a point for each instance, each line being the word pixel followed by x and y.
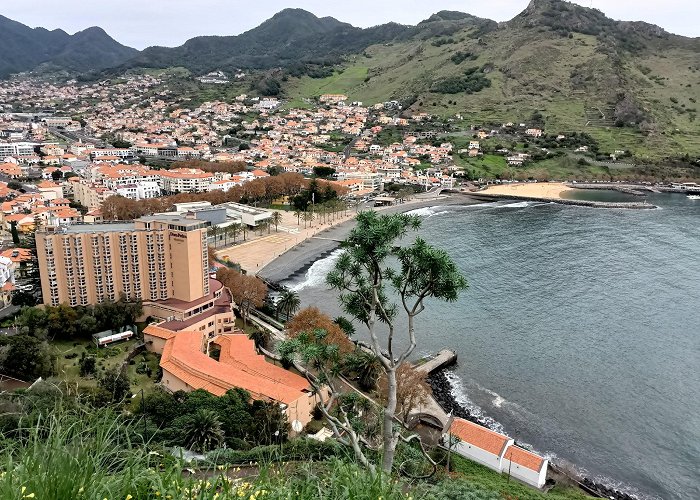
pixel 441 360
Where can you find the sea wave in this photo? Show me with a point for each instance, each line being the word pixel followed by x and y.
pixel 459 394
pixel 426 211
pixel 520 204
pixel 316 274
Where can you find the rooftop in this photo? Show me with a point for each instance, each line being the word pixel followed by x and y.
pixel 479 436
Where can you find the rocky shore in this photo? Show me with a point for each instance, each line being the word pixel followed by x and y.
pixel 442 392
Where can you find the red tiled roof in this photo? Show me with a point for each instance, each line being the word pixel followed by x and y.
pixel 184 359
pixel 525 458
pixel 479 436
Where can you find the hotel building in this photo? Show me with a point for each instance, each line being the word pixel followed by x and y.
pixel 155 258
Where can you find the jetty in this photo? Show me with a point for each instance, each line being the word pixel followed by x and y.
pixel 562 201
pixel 444 358
pixel 431 413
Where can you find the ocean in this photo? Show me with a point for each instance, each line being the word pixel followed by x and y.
pixel 579 334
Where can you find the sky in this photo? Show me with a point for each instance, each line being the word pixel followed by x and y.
pixel 141 23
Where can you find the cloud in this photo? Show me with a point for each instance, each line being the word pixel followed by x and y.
pixel 140 23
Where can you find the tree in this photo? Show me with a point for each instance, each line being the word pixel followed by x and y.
pixel 366 368
pixel 288 303
pixel 115 384
pixel 346 325
pixel 297 214
pixel 56 175
pixel 15 234
pixel 369 273
pixel 87 365
pixel 311 319
pixel 27 358
pixel 202 431
pixel 247 291
pixel 412 390
pixel 308 217
pixel 276 219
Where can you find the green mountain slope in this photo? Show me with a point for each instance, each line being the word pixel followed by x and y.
pixel 581 70
pixel 26 49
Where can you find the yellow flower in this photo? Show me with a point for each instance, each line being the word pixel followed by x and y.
pixel 128 497
pixel 220 467
pixel 24 488
pixel 31 495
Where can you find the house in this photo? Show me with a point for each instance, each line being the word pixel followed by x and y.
pixel 480 444
pixel 525 466
pixel 497 451
pixel 534 132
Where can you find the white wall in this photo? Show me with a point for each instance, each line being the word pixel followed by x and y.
pixel 529 476
pixel 483 457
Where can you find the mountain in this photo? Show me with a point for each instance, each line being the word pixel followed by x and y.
pixel 26 49
pixel 291 37
pixel 631 85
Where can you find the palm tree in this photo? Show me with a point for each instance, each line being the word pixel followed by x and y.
pixel 276 219
pixel 213 233
pixel 203 432
pixel 366 367
pixel 288 303
pixel 235 231
pixel 297 214
pixel 308 217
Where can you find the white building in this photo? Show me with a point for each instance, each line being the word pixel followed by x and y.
pixel 7 271
pixel 480 444
pixel 16 148
pixel 525 466
pixel 497 452
pixel 140 191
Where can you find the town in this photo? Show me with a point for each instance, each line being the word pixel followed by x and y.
pixel 122 197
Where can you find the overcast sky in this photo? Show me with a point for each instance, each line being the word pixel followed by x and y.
pixel 140 23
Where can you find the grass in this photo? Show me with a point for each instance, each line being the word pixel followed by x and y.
pixel 489 480
pixel 107 358
pixel 77 452
pixel 341 82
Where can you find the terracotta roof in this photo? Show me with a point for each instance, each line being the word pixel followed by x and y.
pixel 17 254
pixel 525 458
pixel 157 331
pixel 479 436
pixel 183 358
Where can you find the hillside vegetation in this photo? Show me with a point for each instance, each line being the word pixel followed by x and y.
pixel 631 86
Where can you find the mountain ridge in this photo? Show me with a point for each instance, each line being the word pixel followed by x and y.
pixel 27 49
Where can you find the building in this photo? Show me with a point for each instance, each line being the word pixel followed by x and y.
pixel 480 444
pixel 525 466
pixel 91 196
pixel 142 190
pixel 157 258
pixel 7 280
pixel 498 452
pixel 187 366
pixel 17 149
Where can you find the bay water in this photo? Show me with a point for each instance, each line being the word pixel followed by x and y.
pixel 579 334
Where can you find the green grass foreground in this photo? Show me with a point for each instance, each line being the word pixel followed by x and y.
pixel 82 453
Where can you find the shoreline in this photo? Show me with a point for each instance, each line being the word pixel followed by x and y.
pixel 300 257
pixel 442 394
pixel 553 192
pixel 293 264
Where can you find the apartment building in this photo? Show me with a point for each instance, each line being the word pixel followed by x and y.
pixel 142 190
pixel 91 195
pixel 186 180
pixel 161 260
pixel 17 148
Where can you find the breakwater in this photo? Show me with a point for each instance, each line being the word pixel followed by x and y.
pixel 442 393
pixel 579 203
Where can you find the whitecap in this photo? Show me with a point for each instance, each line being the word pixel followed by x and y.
pixel 459 394
pixel 316 274
pixel 520 204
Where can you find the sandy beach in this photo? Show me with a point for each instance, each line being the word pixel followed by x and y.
pixel 535 190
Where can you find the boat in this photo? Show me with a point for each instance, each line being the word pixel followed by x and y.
pixel 694 196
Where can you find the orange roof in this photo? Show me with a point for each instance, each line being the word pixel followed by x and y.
pixel 17 254
pixel 524 458
pixel 479 436
pixel 156 331
pixel 183 358
pixel 8 287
